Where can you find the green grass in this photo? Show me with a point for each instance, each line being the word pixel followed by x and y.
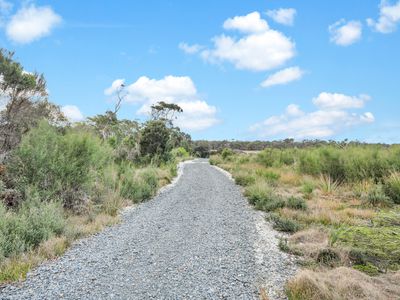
pixel 379 246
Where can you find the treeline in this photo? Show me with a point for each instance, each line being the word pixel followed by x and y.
pixel 59 180
pixel 203 145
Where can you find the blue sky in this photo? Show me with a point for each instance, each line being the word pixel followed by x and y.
pixel 332 66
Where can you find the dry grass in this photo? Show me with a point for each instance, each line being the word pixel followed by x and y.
pixel 344 284
pixel 330 211
pixel 16 268
pixel 291 178
pixel 309 242
pixel 80 226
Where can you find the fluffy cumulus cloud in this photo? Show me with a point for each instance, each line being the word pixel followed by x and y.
pixel 257 48
pixel 31 23
pixel 283 16
pixel 324 122
pixel 334 101
pixel 283 77
pixel 251 23
pixel 389 17
pixel 72 113
pixel 345 33
pixel 197 113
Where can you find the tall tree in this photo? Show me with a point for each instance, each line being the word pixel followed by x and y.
pixel 24 102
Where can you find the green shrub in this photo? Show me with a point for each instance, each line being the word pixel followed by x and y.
pixel 284 224
pixel 31 224
pixel 307 190
pixel 257 192
pixel 58 166
pixel 226 153
pixel 268 175
pixel 268 157
pixel 179 152
pixel 377 197
pixel 271 203
pixel 283 245
pixel 392 187
pixel 296 203
pixel 138 186
pixel 244 179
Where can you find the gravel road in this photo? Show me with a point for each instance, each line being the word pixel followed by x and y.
pixel 198 239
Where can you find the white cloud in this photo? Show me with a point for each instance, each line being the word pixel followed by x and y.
pixel 31 23
pixel 190 49
pixel 114 87
pixel 294 110
pixel 283 77
pixel 389 17
pixel 345 33
pixel 72 113
pixel 325 122
pixel 283 16
pixel 251 23
pixel 197 113
pixel 329 101
pixel 258 49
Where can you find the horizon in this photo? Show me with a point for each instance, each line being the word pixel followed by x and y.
pixel 254 71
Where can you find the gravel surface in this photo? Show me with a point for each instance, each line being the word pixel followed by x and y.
pixel 198 239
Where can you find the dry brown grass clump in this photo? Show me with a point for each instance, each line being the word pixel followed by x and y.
pixel 343 284
pixel 309 242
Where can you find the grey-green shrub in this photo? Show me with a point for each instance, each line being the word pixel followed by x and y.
pixel 296 203
pixel 226 153
pixel 138 186
pixel 59 166
pixel 392 187
pixel 377 197
pixel 307 189
pixel 244 179
pixel 284 224
pixel 32 223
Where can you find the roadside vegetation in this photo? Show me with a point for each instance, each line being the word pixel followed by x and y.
pixel 338 207
pixel 60 181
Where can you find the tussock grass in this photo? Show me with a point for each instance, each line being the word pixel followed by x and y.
pixel 342 284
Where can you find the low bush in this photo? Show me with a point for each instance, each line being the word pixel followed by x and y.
pixel 27 227
pixel 377 197
pixel 226 153
pixel 263 198
pixel 257 192
pixel 179 152
pixel 307 189
pixel 244 179
pixel 58 166
pixel 392 187
pixel 284 224
pixel 268 175
pixel 296 203
pixel 271 204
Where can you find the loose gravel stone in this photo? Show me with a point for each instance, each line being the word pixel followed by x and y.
pixel 196 240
